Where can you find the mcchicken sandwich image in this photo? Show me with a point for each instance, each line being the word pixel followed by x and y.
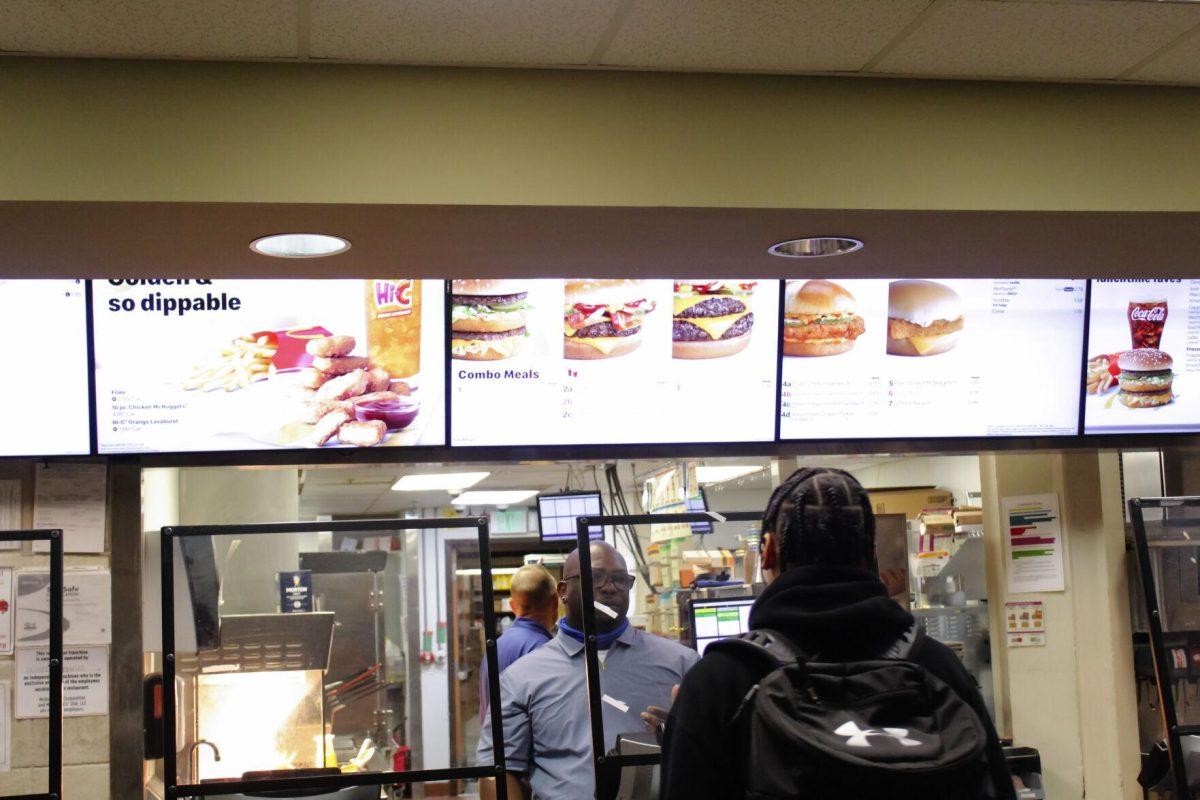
pixel 819 319
pixel 711 318
pixel 603 318
pixel 1145 378
pixel 487 319
pixel 924 318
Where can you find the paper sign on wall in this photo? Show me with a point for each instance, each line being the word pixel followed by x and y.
pixel 87 607
pixel 71 497
pixel 1025 624
pixel 85 682
pixel 5 727
pixel 6 610
pixel 10 510
pixel 1033 543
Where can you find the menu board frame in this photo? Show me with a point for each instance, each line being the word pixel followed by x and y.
pixel 778 446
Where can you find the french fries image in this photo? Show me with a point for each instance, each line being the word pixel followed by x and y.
pixel 242 362
pixel 1099 375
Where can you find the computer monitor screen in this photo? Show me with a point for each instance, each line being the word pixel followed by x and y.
pixel 719 619
pixel 557 514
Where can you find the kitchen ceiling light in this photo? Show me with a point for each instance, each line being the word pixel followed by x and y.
pixel 300 245
pixel 434 481
pixel 496 498
pixel 726 473
pixel 815 247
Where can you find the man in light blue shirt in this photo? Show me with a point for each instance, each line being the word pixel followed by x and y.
pixel 535 603
pixel 543 697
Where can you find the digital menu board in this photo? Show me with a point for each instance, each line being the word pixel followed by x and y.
pixel 866 359
pixel 1143 357
pixel 45 408
pixel 560 362
pixel 191 365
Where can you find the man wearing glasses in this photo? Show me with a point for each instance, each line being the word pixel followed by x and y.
pixel 543 697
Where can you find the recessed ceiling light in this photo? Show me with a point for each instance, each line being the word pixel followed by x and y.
pixel 444 481
pixel 300 245
pixel 815 247
pixel 726 473
pixel 497 498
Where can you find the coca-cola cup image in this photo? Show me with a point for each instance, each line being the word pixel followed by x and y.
pixel 1147 318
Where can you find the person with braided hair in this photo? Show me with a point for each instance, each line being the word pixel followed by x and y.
pixel 824 596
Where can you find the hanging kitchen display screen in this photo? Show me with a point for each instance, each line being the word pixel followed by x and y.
pixel 47 416
pixel 189 365
pixel 561 362
pixel 880 359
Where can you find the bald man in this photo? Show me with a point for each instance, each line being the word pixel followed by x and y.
pixel 544 702
pixel 534 599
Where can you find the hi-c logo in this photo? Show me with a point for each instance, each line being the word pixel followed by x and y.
pixel 393 298
pixel 861 737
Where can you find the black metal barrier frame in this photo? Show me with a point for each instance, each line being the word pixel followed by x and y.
pixel 1158 647
pixel 54 755
pixel 327 782
pixel 588 598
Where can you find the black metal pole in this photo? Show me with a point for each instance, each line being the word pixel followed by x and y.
pixel 493 661
pixel 590 650
pixel 170 746
pixel 54 778
pixel 1159 651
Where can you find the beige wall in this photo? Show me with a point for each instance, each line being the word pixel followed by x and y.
pixel 105 130
pixel 1074 698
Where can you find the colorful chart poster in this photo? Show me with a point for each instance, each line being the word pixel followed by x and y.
pixel 1025 623
pixel 1033 543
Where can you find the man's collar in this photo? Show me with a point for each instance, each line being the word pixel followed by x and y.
pixel 573 647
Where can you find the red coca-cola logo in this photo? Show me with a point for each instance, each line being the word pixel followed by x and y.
pixel 1152 314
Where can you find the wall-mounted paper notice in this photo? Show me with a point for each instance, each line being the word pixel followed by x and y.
pixel 1033 543
pixel 71 497
pixel 7 612
pixel 10 510
pixel 87 607
pixel 85 682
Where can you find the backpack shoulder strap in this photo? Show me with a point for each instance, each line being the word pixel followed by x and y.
pixel 908 643
pixel 766 645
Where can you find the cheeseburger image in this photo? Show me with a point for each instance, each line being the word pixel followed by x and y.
pixel 924 318
pixel 603 318
pixel 711 318
pixel 1145 378
pixel 819 319
pixel 487 319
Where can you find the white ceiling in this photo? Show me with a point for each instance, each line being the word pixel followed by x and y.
pixel 1052 40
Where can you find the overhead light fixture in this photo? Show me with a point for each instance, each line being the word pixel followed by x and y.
pixel 300 245
pixel 815 247
pixel 466 573
pixel 493 498
pixel 726 473
pixel 435 481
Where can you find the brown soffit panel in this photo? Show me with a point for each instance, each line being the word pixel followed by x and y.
pixel 147 240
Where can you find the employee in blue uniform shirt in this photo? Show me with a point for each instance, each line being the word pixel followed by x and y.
pixel 544 699
pixel 534 600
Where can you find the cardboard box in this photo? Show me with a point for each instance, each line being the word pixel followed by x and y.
pixel 937 523
pixel 968 515
pixel 909 502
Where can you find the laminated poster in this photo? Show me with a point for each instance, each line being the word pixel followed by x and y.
pixel 1025 624
pixel 71 497
pixel 85 682
pixel 1033 543
pixel 6 610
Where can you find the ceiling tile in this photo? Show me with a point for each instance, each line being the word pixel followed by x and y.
pixel 1180 64
pixel 224 29
pixel 535 32
pixel 758 35
pixel 1044 40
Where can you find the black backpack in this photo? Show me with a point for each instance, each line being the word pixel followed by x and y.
pixel 884 728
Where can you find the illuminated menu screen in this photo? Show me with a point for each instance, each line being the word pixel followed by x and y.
pixel 189 365
pixel 1143 370
pixel 914 359
pixel 548 362
pixel 44 410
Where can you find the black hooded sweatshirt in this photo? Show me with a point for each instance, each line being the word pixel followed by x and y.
pixel 843 613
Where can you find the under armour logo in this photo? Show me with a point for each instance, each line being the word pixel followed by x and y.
pixel 860 737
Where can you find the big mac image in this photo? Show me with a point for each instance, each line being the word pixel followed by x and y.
pixel 711 319
pixel 603 318
pixel 487 319
pixel 924 318
pixel 820 318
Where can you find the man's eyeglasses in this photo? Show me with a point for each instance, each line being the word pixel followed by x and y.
pixel 622 581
